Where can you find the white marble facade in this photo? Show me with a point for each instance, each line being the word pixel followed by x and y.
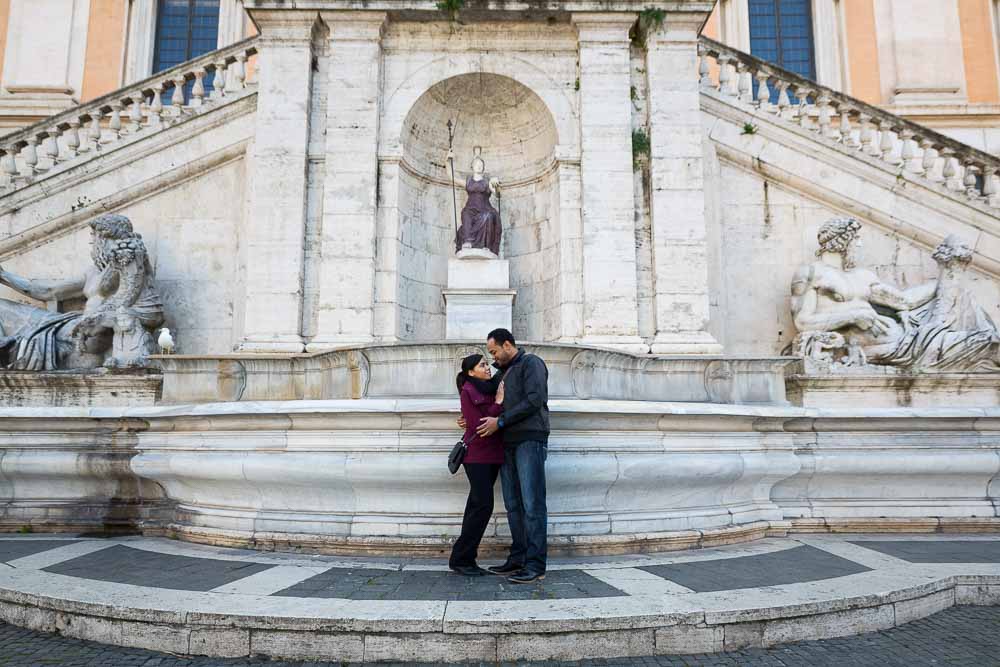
pixel 318 212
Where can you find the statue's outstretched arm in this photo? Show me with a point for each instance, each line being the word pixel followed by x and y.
pixel 893 297
pixel 43 290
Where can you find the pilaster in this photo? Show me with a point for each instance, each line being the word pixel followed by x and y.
pixel 347 277
pixel 677 197
pixel 43 58
pixel 610 302
pixel 278 193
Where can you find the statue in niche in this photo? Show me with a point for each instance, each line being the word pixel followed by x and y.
pixel 480 228
pixel 116 326
pixel 936 327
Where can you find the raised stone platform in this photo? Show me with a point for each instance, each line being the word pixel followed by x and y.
pixel 427 370
pixel 169 596
pixel 97 388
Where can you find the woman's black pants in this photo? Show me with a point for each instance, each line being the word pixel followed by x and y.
pixel 478 510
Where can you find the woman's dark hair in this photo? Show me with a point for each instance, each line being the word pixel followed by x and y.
pixel 468 364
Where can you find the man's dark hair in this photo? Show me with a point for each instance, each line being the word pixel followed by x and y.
pixel 501 336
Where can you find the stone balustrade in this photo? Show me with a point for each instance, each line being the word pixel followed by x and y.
pixel 158 102
pixel 832 116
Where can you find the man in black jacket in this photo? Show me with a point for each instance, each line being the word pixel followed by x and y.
pixel 525 426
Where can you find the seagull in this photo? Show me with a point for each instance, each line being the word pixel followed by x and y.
pixel 165 341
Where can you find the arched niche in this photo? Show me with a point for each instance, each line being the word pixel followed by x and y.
pixel 518 137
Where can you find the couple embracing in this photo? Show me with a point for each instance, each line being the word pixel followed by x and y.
pixel 506 422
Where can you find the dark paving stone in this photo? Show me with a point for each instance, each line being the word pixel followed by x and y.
pixel 362 584
pixel 125 565
pixel 11 549
pixel 945 551
pixel 790 566
pixel 957 636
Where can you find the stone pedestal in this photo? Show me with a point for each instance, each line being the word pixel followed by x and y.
pixel 478 298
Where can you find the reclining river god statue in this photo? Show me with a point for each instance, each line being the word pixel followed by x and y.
pixel 115 328
pixel 933 327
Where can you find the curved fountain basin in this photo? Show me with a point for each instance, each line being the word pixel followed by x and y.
pixel 369 475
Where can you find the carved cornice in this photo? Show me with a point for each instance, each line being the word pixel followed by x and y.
pixel 355 26
pixel 603 27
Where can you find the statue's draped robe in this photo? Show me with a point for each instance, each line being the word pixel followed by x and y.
pixel 950 333
pixel 480 221
pixel 35 346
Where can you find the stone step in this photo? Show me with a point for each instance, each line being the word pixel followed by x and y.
pixel 181 598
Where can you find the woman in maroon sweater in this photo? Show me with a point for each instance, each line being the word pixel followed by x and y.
pixel 482 461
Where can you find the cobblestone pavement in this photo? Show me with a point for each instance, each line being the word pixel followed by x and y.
pixel 965 636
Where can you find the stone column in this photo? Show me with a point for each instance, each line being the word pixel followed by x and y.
pixel 677 197
pixel 570 252
pixel 347 276
pixel 276 217
pixel 610 303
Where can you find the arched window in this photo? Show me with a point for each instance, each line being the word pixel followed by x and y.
pixel 185 29
pixel 781 31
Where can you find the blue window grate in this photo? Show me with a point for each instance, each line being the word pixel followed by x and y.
pixel 781 33
pixel 185 29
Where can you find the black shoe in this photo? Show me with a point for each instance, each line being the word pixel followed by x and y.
pixel 525 577
pixel 468 570
pixel 506 568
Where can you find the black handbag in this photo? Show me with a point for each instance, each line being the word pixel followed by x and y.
pixel 457 456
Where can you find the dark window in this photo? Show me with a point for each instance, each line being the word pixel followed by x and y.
pixel 185 29
pixel 781 32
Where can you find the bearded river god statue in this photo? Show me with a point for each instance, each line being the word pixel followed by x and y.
pixel 841 309
pixel 116 326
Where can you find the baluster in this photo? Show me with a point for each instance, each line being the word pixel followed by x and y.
pixel 929 160
pixel 763 92
pixel 887 144
pixel 115 124
pixel 198 90
pixel 135 114
pixel 704 80
pixel 803 94
pixel 219 84
pixel 177 99
pixel 94 131
pixel 784 103
pixel 867 135
pixel 990 186
pixel 950 172
pixel 725 76
pixel 909 152
pixel 971 191
pixel 8 166
pixel 30 155
pixel 50 148
pixel 823 104
pixel 846 131
pixel 743 81
pixel 156 106
pixel 237 73
pixel 73 138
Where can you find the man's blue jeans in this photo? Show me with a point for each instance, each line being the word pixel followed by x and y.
pixel 522 478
